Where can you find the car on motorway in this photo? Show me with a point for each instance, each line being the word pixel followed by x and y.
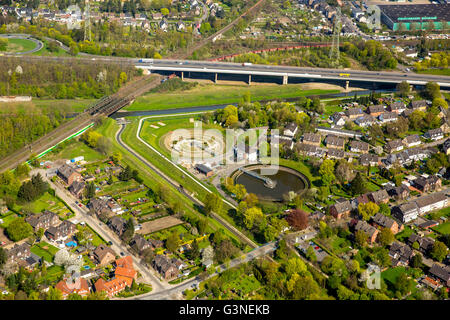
pixel 80 205
pixel 110 243
pixel 122 253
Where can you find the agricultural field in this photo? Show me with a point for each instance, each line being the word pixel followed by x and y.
pixel 160 224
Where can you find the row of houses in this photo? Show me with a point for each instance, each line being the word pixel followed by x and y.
pixel 53 228
pixel 409 211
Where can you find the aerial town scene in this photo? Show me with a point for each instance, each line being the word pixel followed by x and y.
pixel 224 150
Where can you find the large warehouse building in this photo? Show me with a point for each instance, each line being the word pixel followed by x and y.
pixel 416 16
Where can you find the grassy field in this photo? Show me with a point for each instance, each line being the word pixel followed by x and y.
pixel 438 72
pixel 46 52
pixel 46 202
pixel 44 250
pixel 210 94
pixel 19 45
pixel 64 105
pixel 75 149
pixel 443 228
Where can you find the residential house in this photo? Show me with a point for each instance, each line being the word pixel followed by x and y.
pixel 111 287
pixel 165 266
pixel 312 139
pixel 388 117
pixel 309 150
pixel 412 140
pixel 434 201
pixel 398 193
pixel 380 196
pixel 375 110
pixel 371 231
pixel 181 26
pixel 334 142
pixel 114 207
pixel 80 287
pixel 290 130
pixel 204 169
pixel 446 146
pixel 68 174
pixel 282 140
pixel 43 220
pixel 163 25
pixel 340 209
pixel 99 206
pixel 339 132
pixel 418 105
pixel 338 119
pixel 77 188
pixel 369 159
pixel 335 154
pixel 434 134
pixel 365 121
pixel 425 243
pixel 157 16
pixel 125 270
pixel 406 157
pixel 406 212
pixel 359 146
pixel 400 254
pixel 428 184
pixel 118 225
pixel 386 222
pixel 441 273
pixel 103 255
pixel 394 145
pixel 397 107
pixel 19 252
pixel 354 113
pixel 62 232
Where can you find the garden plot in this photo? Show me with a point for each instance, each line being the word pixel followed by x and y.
pixel 159 224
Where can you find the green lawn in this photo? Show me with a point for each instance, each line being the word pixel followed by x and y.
pixel 439 72
pixel 404 234
pixel 8 219
pixel 75 149
pixel 244 283
pixel 44 250
pixel 45 202
pixel 53 274
pixel 20 45
pixel 45 105
pixel 392 274
pixel 210 94
pixel 443 228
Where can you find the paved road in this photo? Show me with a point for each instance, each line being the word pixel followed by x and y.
pixel 39 44
pixel 81 214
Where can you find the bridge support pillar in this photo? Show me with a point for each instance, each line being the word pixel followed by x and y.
pixel 285 79
pixel 249 79
pixel 215 77
pixel 347 84
pixel 182 75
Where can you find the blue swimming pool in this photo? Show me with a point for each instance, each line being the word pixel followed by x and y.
pixel 87 267
pixel 72 244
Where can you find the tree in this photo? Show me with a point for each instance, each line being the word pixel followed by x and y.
pixel 439 251
pixel 298 219
pixel 3 256
pixel 129 231
pixel 416 261
pixel 194 252
pixel 90 190
pixel 440 102
pixel 116 157
pixel 173 242
pixel 326 171
pixel 126 174
pixel 358 184
pixel 253 217
pixel 165 11
pixel 367 210
pixel 344 172
pixel 310 254
pixel 386 236
pixel 361 238
pixel 225 250
pixel 403 284
pixel 212 203
pixel 54 294
pixel 432 91
pixel 295 266
pixel 19 229
pixel 403 88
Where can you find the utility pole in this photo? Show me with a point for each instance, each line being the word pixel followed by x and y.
pixel 87 21
pixel 334 50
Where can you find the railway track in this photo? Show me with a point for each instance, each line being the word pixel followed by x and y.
pixel 104 107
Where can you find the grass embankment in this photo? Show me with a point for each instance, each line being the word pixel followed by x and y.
pixel 19 45
pixel 63 105
pixel 151 178
pixel 210 94
pixel 437 72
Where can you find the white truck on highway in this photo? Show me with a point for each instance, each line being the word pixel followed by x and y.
pixel 247 64
pixel 146 61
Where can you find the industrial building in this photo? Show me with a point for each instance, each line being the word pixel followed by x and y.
pixel 416 16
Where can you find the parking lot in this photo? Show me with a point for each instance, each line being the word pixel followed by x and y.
pixel 320 253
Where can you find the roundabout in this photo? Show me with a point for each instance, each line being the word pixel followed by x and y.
pixel 274 187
